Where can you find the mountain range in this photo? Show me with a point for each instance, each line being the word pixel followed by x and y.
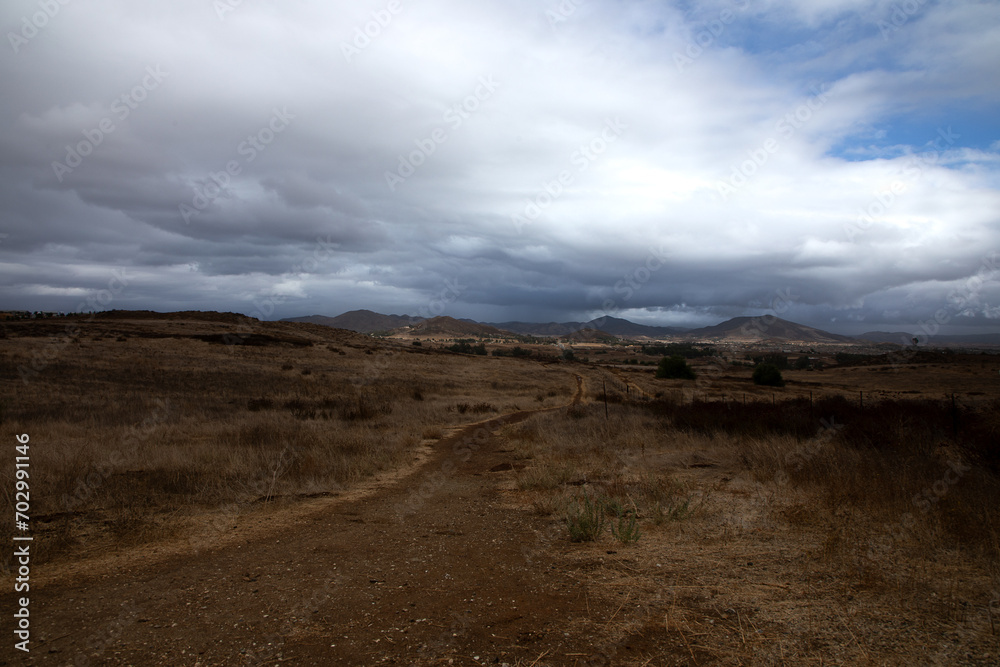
pixel 738 329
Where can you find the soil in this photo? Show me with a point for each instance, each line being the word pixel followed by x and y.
pixel 430 565
pixel 444 562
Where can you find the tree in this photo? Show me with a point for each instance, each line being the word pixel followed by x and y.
pixel 768 375
pixel 674 368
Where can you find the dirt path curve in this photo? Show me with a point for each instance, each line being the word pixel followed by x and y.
pixel 434 568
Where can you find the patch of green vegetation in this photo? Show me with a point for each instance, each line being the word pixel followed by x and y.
pixel 674 368
pixel 626 529
pixel 768 375
pixel 585 522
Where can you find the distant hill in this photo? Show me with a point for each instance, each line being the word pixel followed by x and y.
pixel 538 328
pixel 611 325
pixel 362 321
pixel 736 329
pixel 752 328
pixel 589 336
pixel 449 326
pixel 902 338
pixel 190 315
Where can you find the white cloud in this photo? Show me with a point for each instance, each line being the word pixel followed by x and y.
pixel 319 185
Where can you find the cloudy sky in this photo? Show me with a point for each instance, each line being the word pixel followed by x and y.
pixel 671 162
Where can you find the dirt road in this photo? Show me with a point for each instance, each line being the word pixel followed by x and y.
pixel 431 566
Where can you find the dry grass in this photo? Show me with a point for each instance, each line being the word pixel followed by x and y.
pixel 766 542
pixel 135 424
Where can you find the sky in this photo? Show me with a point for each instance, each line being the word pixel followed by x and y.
pixel 833 162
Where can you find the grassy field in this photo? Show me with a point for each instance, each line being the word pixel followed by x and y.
pixel 777 534
pixel 849 517
pixel 141 424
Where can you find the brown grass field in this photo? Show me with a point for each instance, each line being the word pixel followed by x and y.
pixel 850 517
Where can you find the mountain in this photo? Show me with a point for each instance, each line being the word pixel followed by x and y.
pixel 619 327
pixel 901 338
pixel 449 326
pixel 764 328
pixel 589 336
pixel 362 321
pixel 610 325
pixel 537 328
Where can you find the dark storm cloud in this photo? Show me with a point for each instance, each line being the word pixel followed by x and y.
pixel 527 159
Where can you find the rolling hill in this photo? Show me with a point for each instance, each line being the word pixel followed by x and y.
pixel 449 326
pixel 610 325
pixel 362 321
pixel 737 329
pixel 759 328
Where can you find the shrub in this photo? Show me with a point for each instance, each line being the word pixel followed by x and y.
pixel 586 522
pixel 626 529
pixel 674 368
pixel 768 375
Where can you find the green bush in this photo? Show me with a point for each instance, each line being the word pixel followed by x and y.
pixel 674 368
pixel 768 375
pixel 626 529
pixel 586 522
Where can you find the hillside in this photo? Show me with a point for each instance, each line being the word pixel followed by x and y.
pixel 362 321
pixel 449 326
pixel 613 326
pixel 754 328
pixel 589 336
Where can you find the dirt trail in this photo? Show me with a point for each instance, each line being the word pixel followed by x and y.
pixel 426 567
